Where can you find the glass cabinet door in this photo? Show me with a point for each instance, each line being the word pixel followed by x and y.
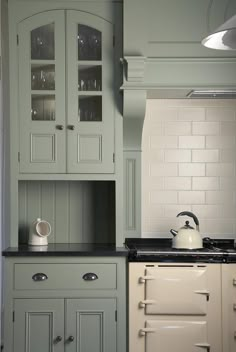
pixel 90 94
pixel 42 93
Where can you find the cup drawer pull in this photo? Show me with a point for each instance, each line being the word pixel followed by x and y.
pixel 90 277
pixel 39 277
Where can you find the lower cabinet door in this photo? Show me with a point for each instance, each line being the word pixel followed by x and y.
pixel 39 325
pixel 90 325
pixel 178 336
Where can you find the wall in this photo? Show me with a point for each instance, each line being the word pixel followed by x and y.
pixel 189 163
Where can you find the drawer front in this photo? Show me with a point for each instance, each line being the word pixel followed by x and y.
pixel 65 276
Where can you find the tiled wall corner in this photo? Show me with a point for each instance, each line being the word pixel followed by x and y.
pixel 189 163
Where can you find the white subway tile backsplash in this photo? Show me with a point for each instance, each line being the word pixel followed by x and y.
pixel 170 169
pixel 206 183
pixel 191 114
pixel 191 197
pixel 228 183
pixel 177 183
pixel 206 211
pixel 177 155
pixel 206 128
pixel 219 197
pixel 218 169
pixel 228 155
pixel 163 197
pixel 220 142
pixel 228 128
pixel 205 155
pixel 164 114
pixel 177 128
pixel 191 142
pixel 161 142
pixel 189 161
pixel 220 114
pixel 190 169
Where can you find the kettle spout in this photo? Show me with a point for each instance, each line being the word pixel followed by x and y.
pixel 174 232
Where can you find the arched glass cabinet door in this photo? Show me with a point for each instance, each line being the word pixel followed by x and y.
pixel 90 107
pixel 42 92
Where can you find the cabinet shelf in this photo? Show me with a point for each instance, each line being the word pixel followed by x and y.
pixel 83 93
pixel 89 63
pixel 43 92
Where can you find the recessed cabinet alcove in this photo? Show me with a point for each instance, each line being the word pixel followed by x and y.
pixel 78 211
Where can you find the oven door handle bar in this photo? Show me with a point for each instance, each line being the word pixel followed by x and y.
pixel 203 292
pixel 144 331
pixel 142 304
pixel 204 345
pixel 143 279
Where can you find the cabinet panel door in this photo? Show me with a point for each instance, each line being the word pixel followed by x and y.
pixel 38 324
pixel 90 108
pixel 42 93
pixel 92 324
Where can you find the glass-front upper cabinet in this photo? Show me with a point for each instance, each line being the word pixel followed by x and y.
pixel 90 93
pixel 42 93
pixel 66 93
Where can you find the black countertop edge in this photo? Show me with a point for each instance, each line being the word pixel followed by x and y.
pixel 66 250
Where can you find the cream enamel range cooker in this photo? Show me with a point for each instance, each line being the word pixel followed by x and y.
pixel 175 295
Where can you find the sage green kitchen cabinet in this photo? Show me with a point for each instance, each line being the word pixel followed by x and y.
pixel 69 325
pixel 66 104
pixel 52 304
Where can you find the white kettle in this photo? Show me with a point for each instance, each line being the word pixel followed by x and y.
pixel 187 237
pixel 39 232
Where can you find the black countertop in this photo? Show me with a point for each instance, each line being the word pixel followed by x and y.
pixel 64 249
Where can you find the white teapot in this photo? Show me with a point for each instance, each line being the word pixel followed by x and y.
pixel 39 232
pixel 187 237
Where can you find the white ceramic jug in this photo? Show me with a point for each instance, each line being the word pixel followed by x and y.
pixel 39 232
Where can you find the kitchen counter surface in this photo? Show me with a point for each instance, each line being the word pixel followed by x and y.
pixel 64 249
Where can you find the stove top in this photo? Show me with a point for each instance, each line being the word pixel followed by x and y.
pixel 149 249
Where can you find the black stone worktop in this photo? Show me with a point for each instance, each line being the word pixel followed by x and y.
pixel 64 249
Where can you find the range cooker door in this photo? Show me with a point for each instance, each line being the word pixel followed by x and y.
pixel 176 290
pixel 178 336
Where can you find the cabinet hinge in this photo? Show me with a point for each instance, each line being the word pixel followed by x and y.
pixel 13 316
pixel 19 156
pixel 114 40
pixel 17 39
pixel 116 315
pixel 113 157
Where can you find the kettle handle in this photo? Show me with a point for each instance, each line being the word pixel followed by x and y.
pixel 191 215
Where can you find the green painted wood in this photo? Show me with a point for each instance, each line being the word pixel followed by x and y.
pixel 37 324
pixel 92 323
pixel 71 276
pixel 78 211
pixel 91 143
pixel 42 144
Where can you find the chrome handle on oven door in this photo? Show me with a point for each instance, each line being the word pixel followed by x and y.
pixel 204 345
pixel 90 277
pixel 39 277
pixel 142 304
pixel 142 279
pixel 142 332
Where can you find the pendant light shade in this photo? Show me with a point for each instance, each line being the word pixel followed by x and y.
pixel 224 37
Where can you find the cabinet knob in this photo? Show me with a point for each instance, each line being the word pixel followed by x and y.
pixel 58 339
pixel 90 277
pixel 71 127
pixel 60 127
pixel 71 338
pixel 39 277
